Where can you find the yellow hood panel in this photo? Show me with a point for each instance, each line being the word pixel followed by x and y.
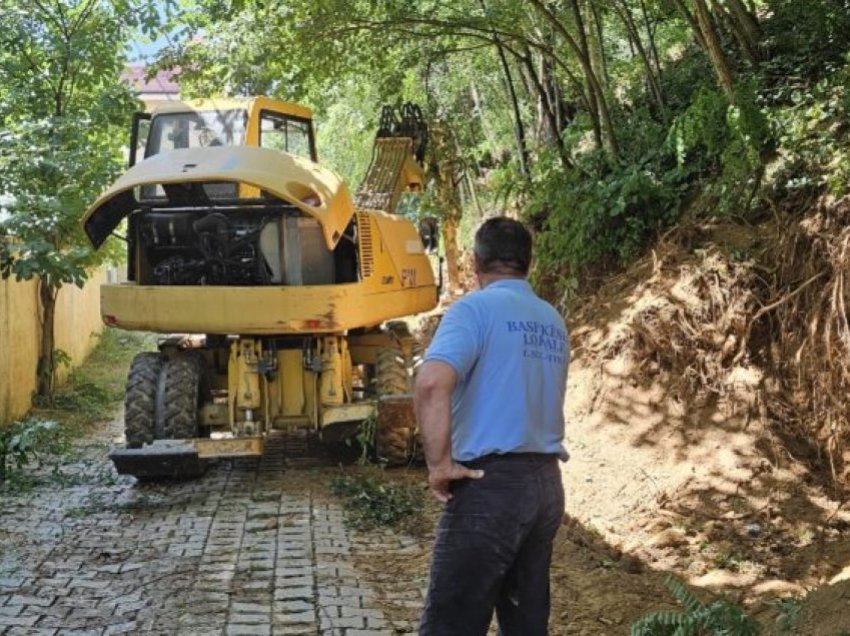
pixel 290 178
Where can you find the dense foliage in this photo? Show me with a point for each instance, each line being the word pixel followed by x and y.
pixel 599 121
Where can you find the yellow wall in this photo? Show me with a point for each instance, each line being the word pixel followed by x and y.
pixel 77 320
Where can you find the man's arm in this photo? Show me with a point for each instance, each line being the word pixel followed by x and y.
pixel 435 383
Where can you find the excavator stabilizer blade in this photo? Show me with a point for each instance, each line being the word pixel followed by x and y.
pixel 174 460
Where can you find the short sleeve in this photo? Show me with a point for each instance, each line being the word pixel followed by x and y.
pixel 458 339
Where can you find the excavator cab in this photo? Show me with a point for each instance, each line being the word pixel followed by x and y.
pixel 261 122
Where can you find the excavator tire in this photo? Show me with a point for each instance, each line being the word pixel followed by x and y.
pixel 179 397
pixel 140 399
pixel 395 434
pixel 391 372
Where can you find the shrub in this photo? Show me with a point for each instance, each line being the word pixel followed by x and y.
pixel 607 219
pixel 27 441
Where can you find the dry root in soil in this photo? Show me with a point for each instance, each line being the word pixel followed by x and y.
pixel 807 333
pixel 694 327
pixel 764 327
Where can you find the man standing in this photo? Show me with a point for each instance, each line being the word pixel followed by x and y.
pixel 489 401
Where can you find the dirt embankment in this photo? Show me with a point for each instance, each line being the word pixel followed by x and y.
pixel 707 413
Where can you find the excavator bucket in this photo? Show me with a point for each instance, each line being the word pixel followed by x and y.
pixel 397 156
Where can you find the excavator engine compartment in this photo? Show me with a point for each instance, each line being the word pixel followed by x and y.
pixel 238 244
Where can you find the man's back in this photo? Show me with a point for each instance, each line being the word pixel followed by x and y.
pixel 510 351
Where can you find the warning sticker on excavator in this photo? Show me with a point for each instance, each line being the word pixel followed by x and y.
pixel 408 277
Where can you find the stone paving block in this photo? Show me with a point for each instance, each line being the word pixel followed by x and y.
pixel 294 630
pixel 238 629
pixel 129 627
pixel 295 618
pixel 198 597
pixel 330 622
pixel 38 601
pixel 292 607
pixel 132 606
pixel 250 608
pixel 287 570
pixel 23 620
pixel 32 631
pixel 287 593
pixel 262 584
pixel 295 581
pixel 57 611
pixel 373 614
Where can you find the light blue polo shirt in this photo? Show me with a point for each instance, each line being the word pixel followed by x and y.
pixel 510 351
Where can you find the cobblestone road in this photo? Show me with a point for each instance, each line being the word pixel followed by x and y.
pixel 250 548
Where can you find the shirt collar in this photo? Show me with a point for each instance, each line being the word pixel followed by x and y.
pixel 520 284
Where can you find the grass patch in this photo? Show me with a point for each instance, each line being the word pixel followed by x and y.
pixel 95 388
pixel 372 500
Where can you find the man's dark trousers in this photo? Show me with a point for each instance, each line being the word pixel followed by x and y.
pixel 494 547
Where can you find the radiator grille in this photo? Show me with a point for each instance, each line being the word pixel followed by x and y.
pixel 367 254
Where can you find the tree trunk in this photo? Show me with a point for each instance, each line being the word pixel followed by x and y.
pixel 47 349
pixel 650 34
pixel 748 21
pixel 749 46
pixel 478 103
pixel 442 169
pixel 449 231
pixel 625 14
pixel 689 18
pixel 601 61
pixel 584 54
pixel 519 129
pixel 715 51
pixel 610 136
pixel 548 119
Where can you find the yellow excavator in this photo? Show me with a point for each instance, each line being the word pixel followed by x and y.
pixel 281 286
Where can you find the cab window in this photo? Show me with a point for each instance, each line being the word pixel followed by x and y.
pixel 286 133
pixel 170 131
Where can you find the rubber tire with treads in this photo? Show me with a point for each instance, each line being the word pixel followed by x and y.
pixel 140 399
pixel 179 398
pixel 394 443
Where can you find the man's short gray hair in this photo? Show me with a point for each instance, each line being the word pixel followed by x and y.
pixel 503 243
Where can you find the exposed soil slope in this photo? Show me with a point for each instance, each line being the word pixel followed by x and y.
pixel 679 457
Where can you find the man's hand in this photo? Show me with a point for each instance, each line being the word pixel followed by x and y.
pixel 439 479
pixel 432 398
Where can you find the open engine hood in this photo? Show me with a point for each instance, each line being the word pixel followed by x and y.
pixel 314 190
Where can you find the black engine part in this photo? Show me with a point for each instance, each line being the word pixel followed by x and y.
pixel 204 248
